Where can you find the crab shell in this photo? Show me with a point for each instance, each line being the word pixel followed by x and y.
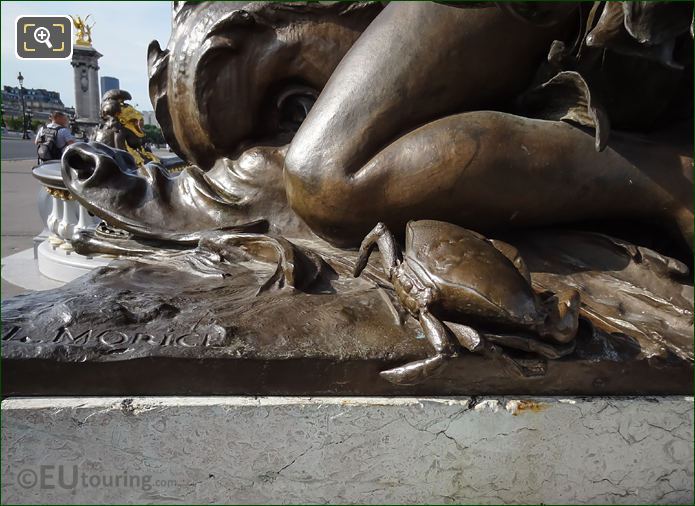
pixel 471 279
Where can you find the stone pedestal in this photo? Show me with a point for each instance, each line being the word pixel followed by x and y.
pixel 348 450
pixel 85 62
pixel 63 265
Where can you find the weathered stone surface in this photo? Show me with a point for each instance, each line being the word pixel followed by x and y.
pixel 352 450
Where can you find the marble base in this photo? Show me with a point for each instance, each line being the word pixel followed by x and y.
pixel 22 270
pixel 64 265
pixel 348 450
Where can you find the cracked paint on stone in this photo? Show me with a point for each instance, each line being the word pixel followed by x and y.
pixel 359 449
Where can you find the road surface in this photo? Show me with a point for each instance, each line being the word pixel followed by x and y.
pixel 19 214
pixel 18 149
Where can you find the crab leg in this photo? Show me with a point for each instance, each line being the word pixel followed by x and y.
pixel 418 371
pixel 514 257
pixel 390 254
pixel 546 350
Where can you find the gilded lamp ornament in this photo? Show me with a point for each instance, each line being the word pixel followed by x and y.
pixel 132 120
pixel 122 127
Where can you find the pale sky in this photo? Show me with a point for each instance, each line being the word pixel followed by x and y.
pixel 122 33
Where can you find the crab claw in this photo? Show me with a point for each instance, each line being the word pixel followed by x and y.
pixel 415 372
pixel 563 318
pixel 467 336
pixel 381 237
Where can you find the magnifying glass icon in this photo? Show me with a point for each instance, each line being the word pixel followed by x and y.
pixel 43 36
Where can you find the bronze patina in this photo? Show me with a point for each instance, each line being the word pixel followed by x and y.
pixel 452 273
pixel 309 126
pixel 121 127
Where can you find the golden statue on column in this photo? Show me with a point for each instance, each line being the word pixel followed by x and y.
pixel 83 36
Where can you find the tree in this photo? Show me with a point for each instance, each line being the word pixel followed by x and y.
pixel 14 123
pixel 153 134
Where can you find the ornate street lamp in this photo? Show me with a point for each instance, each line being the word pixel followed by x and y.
pixel 27 121
pixel 20 78
pixel 74 128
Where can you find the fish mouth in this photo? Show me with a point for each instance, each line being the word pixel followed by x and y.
pixel 107 183
pixel 134 127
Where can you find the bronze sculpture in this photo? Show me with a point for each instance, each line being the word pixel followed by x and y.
pixel 333 166
pixel 314 122
pixel 121 127
pixel 449 273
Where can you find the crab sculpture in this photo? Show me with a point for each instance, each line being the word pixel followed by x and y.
pixel 457 283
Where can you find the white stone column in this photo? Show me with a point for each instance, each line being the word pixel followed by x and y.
pixel 77 67
pixel 81 88
pixel 54 220
pixel 86 79
pixel 84 221
pixel 67 224
pixel 94 95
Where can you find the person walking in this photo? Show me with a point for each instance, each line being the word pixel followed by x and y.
pixel 52 139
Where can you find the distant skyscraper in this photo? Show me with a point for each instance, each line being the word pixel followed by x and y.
pixel 108 83
pixel 149 118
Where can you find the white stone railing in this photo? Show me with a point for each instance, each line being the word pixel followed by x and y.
pixel 67 217
pixel 64 217
pixel 58 255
